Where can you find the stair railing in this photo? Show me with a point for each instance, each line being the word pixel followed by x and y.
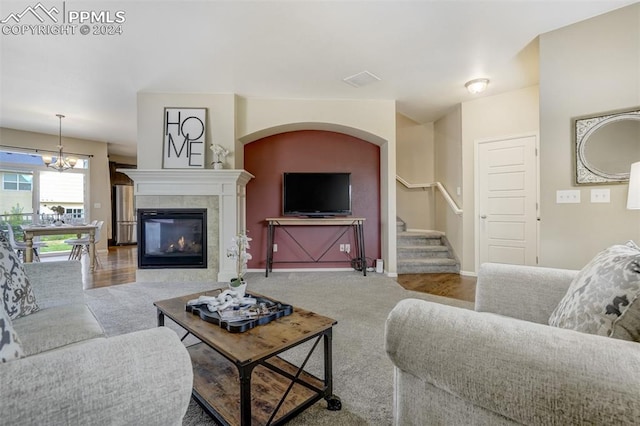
pixel 437 185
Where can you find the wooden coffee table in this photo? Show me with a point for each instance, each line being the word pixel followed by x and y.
pixel 239 379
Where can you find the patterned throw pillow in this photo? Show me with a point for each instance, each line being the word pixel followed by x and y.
pixel 17 295
pixel 604 298
pixel 10 348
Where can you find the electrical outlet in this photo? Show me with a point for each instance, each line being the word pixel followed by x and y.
pixel 275 248
pixel 341 247
pixel 347 248
pixel 601 195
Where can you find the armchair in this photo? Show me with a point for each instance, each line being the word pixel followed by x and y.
pixel 502 364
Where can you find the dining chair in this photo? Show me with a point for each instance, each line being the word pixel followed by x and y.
pixel 81 245
pixel 20 246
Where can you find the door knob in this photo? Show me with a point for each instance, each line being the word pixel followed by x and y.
pixel 483 216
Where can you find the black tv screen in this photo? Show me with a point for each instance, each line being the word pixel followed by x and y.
pixel 316 194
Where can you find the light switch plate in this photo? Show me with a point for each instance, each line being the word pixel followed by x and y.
pixel 568 196
pixel 601 195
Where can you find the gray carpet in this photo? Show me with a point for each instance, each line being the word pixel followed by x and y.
pixel 363 375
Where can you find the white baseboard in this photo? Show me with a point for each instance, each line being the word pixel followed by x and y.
pixel 369 271
pixel 306 270
pixel 468 274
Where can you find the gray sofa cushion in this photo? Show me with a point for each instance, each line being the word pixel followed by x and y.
pixel 604 298
pixel 17 295
pixel 55 327
pixel 10 348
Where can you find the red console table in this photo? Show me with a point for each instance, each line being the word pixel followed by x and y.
pixel 354 223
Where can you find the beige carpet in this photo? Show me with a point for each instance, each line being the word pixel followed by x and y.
pixel 363 375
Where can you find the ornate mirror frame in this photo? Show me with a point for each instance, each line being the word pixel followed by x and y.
pixel 583 129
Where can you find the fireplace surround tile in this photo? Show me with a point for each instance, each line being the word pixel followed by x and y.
pixel 221 192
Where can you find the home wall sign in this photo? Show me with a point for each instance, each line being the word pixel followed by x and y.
pixel 184 133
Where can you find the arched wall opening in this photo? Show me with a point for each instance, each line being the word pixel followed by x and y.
pixel 296 148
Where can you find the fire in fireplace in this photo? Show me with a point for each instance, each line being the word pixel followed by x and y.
pixel 172 238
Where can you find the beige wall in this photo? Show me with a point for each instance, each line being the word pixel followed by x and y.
pixel 220 125
pixel 589 67
pixel 99 192
pixel 448 171
pixel 415 164
pixel 506 115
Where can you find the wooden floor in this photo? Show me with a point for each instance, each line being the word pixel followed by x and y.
pixel 446 285
pixel 119 266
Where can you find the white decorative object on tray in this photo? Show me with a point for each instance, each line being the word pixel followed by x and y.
pixel 228 299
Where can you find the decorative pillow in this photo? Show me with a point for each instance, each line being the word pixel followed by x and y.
pixel 10 348
pixel 604 298
pixel 17 295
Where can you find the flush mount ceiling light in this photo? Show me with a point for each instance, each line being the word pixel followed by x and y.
pixel 478 85
pixel 60 163
pixel 363 78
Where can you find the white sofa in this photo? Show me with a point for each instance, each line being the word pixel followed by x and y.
pixel 72 374
pixel 502 364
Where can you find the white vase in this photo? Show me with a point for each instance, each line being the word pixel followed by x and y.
pixel 217 165
pixel 239 290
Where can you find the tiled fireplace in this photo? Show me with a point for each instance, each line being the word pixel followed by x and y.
pixel 221 193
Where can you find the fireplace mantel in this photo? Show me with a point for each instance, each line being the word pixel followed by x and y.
pixel 229 185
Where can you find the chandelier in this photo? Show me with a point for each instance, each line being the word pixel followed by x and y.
pixel 60 163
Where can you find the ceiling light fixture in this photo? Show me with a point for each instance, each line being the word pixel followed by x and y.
pixel 478 85
pixel 60 163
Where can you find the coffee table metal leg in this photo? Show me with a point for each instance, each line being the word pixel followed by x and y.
pixel 333 402
pixel 245 394
pixel 160 318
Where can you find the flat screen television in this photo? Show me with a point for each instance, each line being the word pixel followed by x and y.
pixel 316 194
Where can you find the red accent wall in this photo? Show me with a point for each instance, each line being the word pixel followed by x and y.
pixel 311 151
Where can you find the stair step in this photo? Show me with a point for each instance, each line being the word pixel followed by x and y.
pixel 419 238
pixel 422 251
pixel 429 265
pixel 427 234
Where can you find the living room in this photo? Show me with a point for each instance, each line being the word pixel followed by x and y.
pixel 586 68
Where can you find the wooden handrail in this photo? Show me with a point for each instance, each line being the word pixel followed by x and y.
pixel 452 204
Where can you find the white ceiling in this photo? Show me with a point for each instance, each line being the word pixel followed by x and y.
pixel 423 51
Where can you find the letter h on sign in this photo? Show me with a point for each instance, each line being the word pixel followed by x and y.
pixel 184 138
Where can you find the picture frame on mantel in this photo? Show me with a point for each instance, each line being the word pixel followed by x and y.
pixel 184 138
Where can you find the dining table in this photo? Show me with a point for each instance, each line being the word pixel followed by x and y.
pixel 33 230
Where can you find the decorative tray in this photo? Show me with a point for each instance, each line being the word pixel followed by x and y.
pixel 271 310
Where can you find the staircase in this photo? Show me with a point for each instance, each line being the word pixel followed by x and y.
pixel 423 252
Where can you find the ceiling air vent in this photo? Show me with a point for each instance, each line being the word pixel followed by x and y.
pixel 361 79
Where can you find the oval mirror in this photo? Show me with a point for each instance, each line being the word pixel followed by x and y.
pixel 606 145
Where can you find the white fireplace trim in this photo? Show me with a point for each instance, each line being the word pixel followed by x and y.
pixel 228 185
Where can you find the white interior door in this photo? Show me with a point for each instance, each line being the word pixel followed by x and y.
pixel 507 201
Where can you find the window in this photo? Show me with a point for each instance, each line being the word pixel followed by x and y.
pixel 17 182
pixel 75 213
